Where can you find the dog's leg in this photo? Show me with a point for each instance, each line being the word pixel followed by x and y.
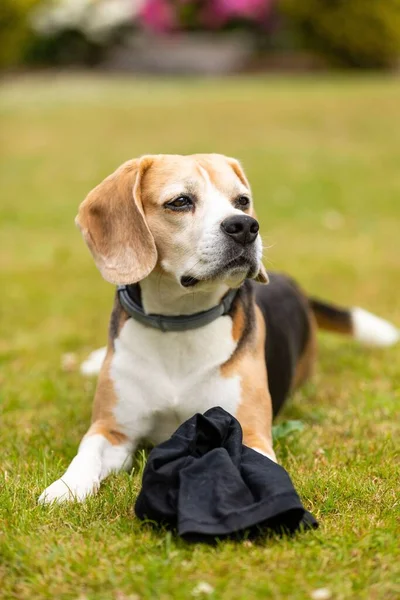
pixel 255 413
pixel 270 454
pixel 255 410
pixel 104 448
pixel 259 442
pixel 100 453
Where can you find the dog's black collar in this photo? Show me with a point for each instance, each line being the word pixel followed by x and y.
pixel 168 323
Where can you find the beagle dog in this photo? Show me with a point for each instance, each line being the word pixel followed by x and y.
pixel 192 325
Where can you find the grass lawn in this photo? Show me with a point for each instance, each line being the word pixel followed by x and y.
pixel 323 157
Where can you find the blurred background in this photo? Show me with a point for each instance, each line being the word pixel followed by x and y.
pixel 207 36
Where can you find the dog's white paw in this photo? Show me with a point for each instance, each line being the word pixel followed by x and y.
pixel 64 490
pixel 93 363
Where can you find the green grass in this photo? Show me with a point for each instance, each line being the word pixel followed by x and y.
pixel 323 158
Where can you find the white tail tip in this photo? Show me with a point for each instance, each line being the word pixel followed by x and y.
pixel 372 330
pixel 93 363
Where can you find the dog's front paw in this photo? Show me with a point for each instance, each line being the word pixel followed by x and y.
pixel 65 489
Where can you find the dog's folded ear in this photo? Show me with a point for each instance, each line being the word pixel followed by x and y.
pixel 113 224
pixel 262 276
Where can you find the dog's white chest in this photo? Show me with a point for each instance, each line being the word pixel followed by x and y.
pixel 162 379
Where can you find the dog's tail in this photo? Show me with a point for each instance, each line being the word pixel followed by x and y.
pixel 360 324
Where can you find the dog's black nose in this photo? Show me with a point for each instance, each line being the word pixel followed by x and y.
pixel 242 228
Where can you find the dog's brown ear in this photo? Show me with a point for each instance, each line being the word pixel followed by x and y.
pixel 262 276
pixel 238 169
pixel 113 224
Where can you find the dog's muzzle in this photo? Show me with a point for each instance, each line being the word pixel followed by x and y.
pixel 242 229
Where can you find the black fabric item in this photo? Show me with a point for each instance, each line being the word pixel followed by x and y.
pixel 207 484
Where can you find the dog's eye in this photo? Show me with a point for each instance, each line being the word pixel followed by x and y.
pixel 180 203
pixel 242 202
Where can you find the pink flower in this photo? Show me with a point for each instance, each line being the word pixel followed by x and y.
pixel 158 15
pixel 220 12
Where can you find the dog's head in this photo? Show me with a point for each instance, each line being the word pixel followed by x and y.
pixel 190 216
